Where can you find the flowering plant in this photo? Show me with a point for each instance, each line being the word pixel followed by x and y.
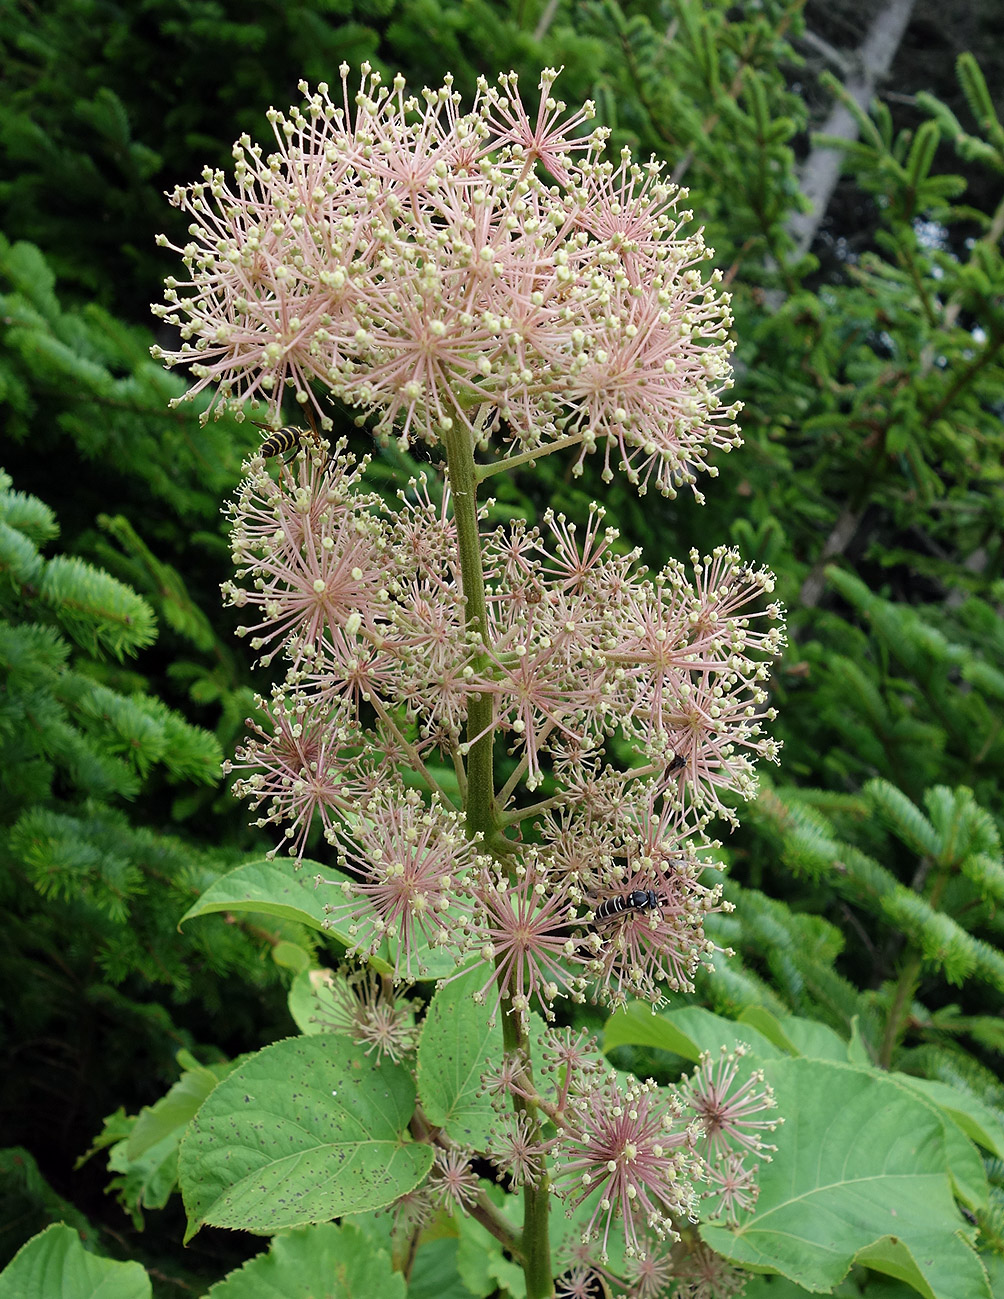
pixel 489 285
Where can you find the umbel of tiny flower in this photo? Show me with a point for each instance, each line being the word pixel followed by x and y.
pixel 526 932
pixel 435 267
pixel 361 1004
pixel 727 1103
pixel 636 1155
pixel 400 859
pixel 452 1181
pixel 630 1150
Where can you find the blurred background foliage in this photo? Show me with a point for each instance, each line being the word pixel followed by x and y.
pixel 868 876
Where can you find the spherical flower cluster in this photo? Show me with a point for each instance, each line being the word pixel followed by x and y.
pixel 361 1004
pixel 525 930
pixel 629 1148
pixel 726 1106
pixel 452 1182
pixel 436 267
pixel 400 861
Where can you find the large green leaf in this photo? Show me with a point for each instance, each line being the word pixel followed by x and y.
pixel 457 1046
pixel 796 1036
pixel 976 1120
pixel 305 1131
pixel 336 1262
pixel 964 1120
pixel 267 887
pixel 685 1032
pixel 174 1112
pixel 860 1176
pixel 275 888
pixel 55 1265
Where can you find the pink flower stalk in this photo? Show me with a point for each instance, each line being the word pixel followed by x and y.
pixel 573 1062
pixel 631 1148
pixel 572 566
pixel 486 282
pixel 413 1211
pixel 452 1181
pixel 538 689
pixel 362 1005
pixel 311 557
pixel 516 1148
pixel 640 950
pixel 723 603
pixel 402 861
pixel 525 929
pixel 419 262
pixel 510 1078
pixel 368 606
pixel 299 767
pixel 579 846
pixel 733 1186
pixel 346 667
pixel 726 1109
pixel 549 139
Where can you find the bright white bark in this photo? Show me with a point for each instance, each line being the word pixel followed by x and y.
pixel 821 170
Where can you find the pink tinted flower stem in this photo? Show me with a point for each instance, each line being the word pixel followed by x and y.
pixel 410 750
pixel 523 457
pixel 482 816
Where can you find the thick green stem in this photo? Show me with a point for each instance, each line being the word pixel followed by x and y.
pixel 536 1256
pixel 480 768
pixel 536 1241
pixel 482 816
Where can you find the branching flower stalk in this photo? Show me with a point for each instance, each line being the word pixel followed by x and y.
pixel 489 284
pixel 480 810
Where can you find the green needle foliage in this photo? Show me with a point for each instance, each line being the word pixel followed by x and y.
pixel 97 867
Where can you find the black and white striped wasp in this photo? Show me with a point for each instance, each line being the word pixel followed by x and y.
pixel 281 440
pixel 636 900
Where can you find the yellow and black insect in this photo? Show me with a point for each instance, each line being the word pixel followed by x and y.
pixel 636 900
pixel 282 440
